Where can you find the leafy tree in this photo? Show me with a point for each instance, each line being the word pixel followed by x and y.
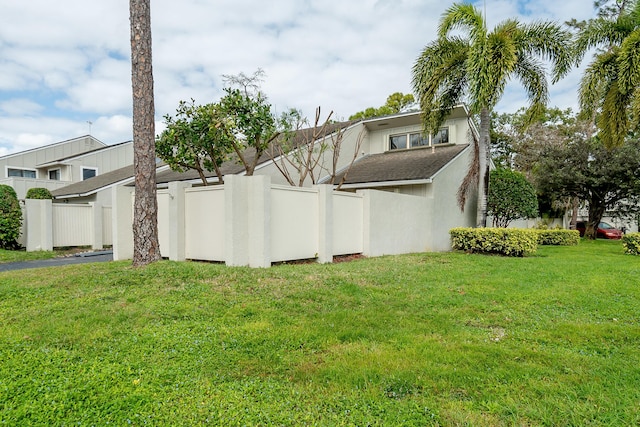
pixel 525 145
pixel 248 117
pixel 242 126
pixel 39 193
pixel 610 87
pixel 396 103
pixel 503 139
pixel 146 248
pixel 202 137
pixel 476 66
pixel 511 197
pixel 520 144
pixel 10 218
pixel 196 138
pixel 611 8
pixel 606 178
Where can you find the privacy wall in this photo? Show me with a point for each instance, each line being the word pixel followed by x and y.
pixel 48 225
pixel 250 222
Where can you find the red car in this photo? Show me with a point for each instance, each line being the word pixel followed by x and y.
pixel 605 231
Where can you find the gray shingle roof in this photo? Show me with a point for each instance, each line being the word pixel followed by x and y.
pixel 232 166
pixel 90 185
pixel 401 165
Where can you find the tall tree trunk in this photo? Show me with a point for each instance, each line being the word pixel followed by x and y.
pixel 575 202
pixel 597 209
pixel 483 166
pixel 146 248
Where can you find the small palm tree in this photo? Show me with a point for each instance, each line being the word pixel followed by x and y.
pixel 610 87
pixel 475 68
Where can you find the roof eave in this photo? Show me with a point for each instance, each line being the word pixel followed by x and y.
pixel 386 183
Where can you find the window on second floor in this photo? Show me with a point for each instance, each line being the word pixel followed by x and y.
pixel 22 173
pixel 417 139
pixel 54 174
pixel 89 173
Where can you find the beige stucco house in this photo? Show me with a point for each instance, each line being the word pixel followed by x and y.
pixel 388 153
pixel 57 165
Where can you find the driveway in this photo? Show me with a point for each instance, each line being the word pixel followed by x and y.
pixel 101 256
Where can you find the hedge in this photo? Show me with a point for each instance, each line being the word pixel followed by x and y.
pixel 39 193
pixel 558 237
pixel 10 218
pixel 504 241
pixel 631 243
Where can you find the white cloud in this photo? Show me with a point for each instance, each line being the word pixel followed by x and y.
pixel 65 63
pixel 20 107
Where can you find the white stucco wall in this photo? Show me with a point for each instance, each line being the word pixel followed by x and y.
pixel 394 223
pixel 442 196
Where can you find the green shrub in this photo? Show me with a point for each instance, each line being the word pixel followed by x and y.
pixel 510 197
pixel 10 218
pixel 504 241
pixel 631 243
pixel 558 237
pixel 39 193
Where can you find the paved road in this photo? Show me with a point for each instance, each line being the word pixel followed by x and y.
pixel 78 259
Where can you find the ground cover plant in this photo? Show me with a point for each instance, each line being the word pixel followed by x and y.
pixel 422 339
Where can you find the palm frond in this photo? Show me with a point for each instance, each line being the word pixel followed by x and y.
pixel 597 33
pixel 634 108
pixel 595 81
pixel 629 62
pixel 465 17
pixel 549 41
pixel 613 120
pixel 472 178
pixel 531 74
pixel 501 57
pixel 438 79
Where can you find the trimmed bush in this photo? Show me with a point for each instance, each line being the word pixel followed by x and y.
pixel 558 237
pixel 39 193
pixel 510 197
pixel 504 241
pixel 10 218
pixel 631 243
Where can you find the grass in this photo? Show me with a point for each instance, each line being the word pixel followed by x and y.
pixel 23 255
pixel 422 339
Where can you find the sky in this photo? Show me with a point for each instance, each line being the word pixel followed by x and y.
pixel 65 66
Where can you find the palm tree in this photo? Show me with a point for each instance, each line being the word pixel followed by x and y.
pixel 475 67
pixel 145 212
pixel 610 87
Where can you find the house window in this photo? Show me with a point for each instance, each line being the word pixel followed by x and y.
pixel 54 174
pixel 417 139
pixel 22 173
pixel 442 137
pixel 398 142
pixel 89 173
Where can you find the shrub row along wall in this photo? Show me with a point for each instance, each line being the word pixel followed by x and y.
pixel 248 221
pixel 509 241
pixel 504 241
pixel 558 237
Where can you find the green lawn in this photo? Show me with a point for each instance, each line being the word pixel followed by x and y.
pixel 18 256
pixel 423 339
pixel 23 255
